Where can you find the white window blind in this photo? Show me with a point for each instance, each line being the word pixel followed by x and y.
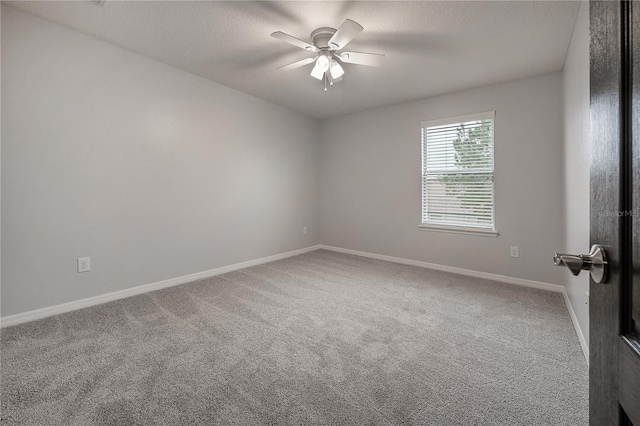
pixel 457 173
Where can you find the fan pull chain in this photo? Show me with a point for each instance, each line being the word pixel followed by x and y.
pixel 325 81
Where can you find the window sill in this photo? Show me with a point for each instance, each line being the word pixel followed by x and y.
pixel 467 231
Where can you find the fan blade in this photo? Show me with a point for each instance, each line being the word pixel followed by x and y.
pixel 368 59
pixel 297 64
pixel 347 32
pixel 295 41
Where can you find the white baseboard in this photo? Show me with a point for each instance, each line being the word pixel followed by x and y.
pixel 471 273
pixel 121 294
pixel 97 300
pixel 576 326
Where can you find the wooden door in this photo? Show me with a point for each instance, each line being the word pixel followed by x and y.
pixel 614 316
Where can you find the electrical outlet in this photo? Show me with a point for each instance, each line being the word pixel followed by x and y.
pixel 305 231
pixel 515 251
pixel 84 264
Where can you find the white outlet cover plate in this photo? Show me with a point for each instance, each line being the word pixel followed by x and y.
pixel 84 264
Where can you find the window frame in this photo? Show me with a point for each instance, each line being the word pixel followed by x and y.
pixel 458 229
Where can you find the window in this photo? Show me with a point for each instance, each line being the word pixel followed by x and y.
pixel 457 174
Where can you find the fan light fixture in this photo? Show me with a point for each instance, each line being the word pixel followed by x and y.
pixel 326 44
pixel 336 69
pixel 323 61
pixel 322 65
pixel 317 72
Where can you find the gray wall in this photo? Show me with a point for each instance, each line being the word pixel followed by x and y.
pixel 151 171
pixel 370 181
pixel 577 159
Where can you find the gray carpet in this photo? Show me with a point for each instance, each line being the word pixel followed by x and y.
pixel 321 338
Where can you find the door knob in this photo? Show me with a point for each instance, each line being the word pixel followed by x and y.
pixel 595 262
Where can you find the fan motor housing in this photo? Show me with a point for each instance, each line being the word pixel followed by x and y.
pixel 321 37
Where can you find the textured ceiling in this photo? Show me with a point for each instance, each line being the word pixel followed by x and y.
pixel 431 47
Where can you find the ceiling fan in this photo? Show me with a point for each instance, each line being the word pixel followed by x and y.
pixel 327 44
